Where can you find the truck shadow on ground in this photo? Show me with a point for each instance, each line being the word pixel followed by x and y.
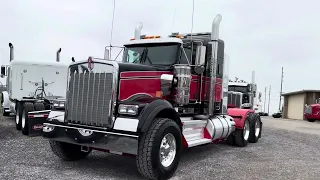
pixel 104 164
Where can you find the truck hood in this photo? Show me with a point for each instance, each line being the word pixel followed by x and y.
pixel 123 67
pixel 313 105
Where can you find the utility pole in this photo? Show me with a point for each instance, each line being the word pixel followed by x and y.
pixel 269 100
pixel 265 99
pixel 281 89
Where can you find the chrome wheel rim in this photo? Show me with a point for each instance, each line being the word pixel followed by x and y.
pixel 168 150
pixel 258 127
pixel 17 117
pixel 246 130
pixel 23 120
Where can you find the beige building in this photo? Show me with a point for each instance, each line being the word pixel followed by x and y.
pixel 294 102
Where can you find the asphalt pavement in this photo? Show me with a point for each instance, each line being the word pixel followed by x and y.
pixel 281 153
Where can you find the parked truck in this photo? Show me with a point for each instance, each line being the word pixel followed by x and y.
pixel 167 94
pixel 243 94
pixel 31 86
pixel 312 111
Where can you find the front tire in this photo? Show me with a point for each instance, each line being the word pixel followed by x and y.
pixel 24 121
pixel 67 152
pixel 159 150
pixel 18 115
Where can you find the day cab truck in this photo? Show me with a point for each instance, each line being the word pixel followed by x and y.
pixel 167 94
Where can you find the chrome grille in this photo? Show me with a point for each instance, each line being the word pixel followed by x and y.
pixel 308 110
pixel 89 99
pixel 238 100
pixel 234 98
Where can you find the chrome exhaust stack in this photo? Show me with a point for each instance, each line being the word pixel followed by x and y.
pixel 11 51
pixel 58 55
pixel 137 32
pixel 214 61
pixel 107 54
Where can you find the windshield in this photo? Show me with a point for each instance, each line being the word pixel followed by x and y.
pixel 152 54
pixel 243 89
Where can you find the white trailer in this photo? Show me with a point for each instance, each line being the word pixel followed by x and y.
pixel 31 86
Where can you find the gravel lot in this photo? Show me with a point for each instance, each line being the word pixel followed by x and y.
pixel 279 154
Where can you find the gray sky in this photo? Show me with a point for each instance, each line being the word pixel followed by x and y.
pixel 259 36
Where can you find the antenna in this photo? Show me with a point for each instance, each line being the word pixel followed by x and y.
pixel 174 18
pixel 114 7
pixel 192 28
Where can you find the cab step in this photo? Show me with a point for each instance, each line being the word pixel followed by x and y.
pixel 199 142
pixel 193 132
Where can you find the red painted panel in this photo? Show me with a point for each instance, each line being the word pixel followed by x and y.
pixel 148 82
pixel 129 87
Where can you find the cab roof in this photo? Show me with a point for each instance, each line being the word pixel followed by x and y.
pixel 238 84
pixel 154 40
pixel 39 63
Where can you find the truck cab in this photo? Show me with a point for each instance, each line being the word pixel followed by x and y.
pixel 242 94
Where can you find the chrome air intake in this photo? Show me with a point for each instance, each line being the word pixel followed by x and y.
pixel 183 75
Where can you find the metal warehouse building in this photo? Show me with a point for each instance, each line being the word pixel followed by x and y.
pixel 294 102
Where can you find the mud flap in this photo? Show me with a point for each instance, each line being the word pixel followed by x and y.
pixel 35 122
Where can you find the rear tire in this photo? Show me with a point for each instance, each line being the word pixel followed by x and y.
pixel 28 106
pixel 241 136
pixel 67 152
pixel 255 128
pixel 164 133
pixel 39 106
pixel 18 115
pixel 311 120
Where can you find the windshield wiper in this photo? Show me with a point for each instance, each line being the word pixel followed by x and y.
pixel 139 59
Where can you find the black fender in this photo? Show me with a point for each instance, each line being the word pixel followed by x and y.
pixel 157 108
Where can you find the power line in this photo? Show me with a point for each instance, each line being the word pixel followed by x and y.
pixel 269 100
pixel 265 99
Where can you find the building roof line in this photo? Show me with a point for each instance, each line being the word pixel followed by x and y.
pixel 299 92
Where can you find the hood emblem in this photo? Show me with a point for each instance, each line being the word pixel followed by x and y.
pixel 90 63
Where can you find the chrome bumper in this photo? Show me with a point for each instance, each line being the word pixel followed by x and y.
pixel 103 140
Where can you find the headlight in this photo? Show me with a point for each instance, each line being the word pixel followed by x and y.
pixel 58 104
pixel 128 109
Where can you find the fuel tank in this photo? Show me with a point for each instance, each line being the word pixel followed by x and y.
pixel 220 127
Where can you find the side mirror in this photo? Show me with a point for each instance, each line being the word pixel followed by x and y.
pixel 3 71
pixel 200 59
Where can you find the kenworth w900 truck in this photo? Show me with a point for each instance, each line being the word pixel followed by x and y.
pixel 167 94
